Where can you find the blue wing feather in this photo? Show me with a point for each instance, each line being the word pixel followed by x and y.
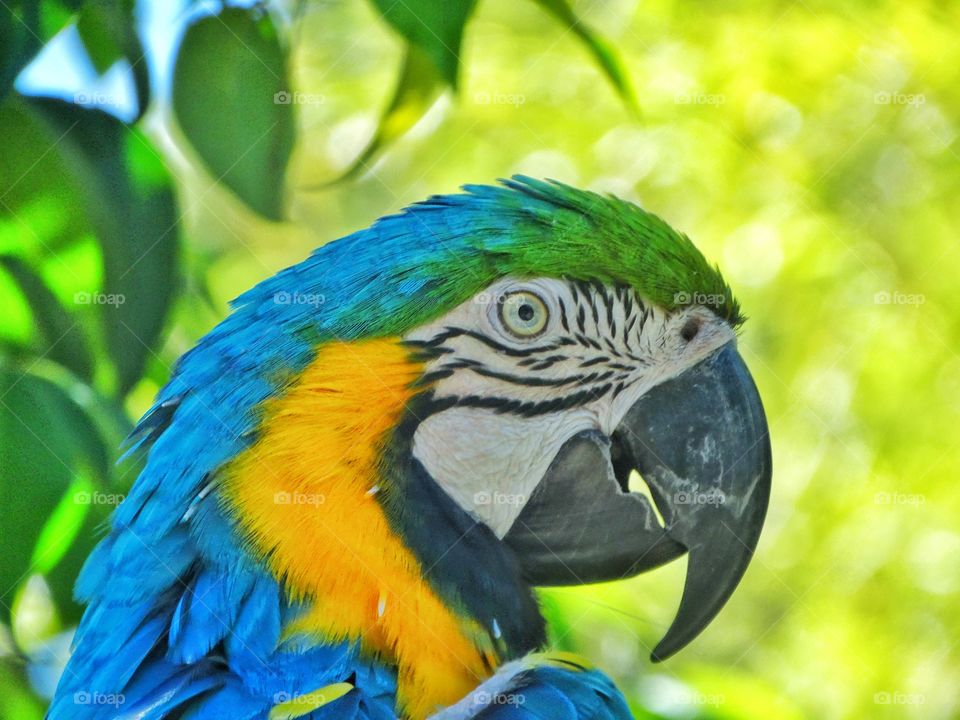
pixel 544 692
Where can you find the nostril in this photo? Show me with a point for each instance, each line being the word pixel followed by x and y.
pixel 690 329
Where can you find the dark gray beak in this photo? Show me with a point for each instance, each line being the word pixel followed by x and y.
pixel 701 444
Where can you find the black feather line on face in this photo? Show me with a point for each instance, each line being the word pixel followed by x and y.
pixel 545 362
pixel 611 348
pixel 627 328
pixel 436 342
pixel 563 315
pixel 529 408
pixel 530 381
pixel 588 342
pixel 462 559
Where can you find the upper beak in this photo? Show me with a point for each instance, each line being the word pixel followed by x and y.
pixel 701 444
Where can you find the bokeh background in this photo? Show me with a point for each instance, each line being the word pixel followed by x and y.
pixel 810 148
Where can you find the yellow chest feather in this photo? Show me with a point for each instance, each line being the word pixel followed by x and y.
pixel 304 493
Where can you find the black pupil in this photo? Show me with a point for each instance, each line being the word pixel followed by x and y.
pixel 525 312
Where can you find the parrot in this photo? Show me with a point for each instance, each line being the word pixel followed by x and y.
pixel 353 485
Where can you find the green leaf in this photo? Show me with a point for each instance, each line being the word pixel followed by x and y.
pixel 62 338
pixel 69 536
pixel 46 441
pixel 434 27
pixel 231 98
pixel 62 526
pixel 75 174
pixel 417 87
pixel 41 209
pixel 101 37
pixel 603 53
pixel 17 700
pixel 16 330
pixel 127 198
pixel 140 267
pixel 108 31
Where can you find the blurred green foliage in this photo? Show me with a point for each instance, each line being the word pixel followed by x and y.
pixel 809 148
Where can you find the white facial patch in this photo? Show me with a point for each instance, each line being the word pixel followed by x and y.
pixel 493 474
pixel 510 398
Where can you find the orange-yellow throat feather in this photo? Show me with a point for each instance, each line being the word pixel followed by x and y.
pixel 304 495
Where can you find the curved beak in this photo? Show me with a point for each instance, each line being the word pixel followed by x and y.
pixel 701 444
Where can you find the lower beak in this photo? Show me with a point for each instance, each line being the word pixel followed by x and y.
pixel 700 442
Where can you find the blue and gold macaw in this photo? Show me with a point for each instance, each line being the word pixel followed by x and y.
pixel 352 484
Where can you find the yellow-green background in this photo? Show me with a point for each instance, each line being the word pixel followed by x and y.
pixel 810 149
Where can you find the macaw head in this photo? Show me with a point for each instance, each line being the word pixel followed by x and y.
pixel 562 341
pixel 575 341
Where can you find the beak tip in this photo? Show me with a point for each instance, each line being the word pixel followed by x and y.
pixel 672 643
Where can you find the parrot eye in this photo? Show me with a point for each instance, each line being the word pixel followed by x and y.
pixel 523 314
